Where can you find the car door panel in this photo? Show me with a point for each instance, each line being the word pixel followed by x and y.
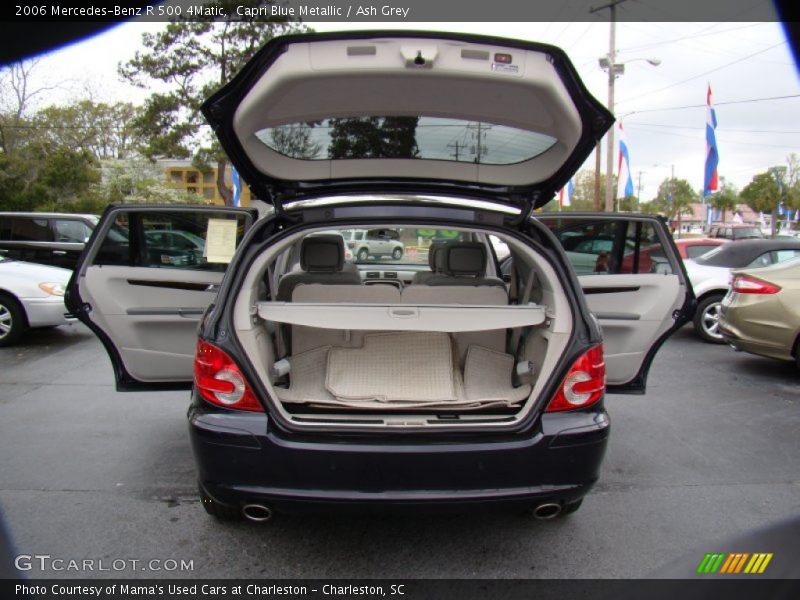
pixel 151 314
pixel 144 300
pixel 632 310
pixel 635 286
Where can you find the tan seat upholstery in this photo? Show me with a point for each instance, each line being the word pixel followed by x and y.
pixel 464 263
pixel 322 262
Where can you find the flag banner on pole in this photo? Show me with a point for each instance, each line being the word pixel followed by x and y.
pixel 624 179
pixel 237 186
pixel 565 194
pixel 711 181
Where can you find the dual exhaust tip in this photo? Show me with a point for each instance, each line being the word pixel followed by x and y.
pixel 261 513
pixel 546 511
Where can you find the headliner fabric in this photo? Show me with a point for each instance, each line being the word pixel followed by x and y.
pixel 415 366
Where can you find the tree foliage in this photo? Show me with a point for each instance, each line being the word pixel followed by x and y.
pixel 187 62
pixel 726 199
pixel 374 137
pixel 762 194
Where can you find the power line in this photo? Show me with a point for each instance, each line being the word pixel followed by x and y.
pixel 726 130
pixel 714 70
pixel 746 101
pixel 701 33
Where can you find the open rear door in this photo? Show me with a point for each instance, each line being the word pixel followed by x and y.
pixel 144 281
pixel 634 283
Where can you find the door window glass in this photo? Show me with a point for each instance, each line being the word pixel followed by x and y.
pixel 604 247
pixel 782 255
pixel 70 230
pixel 202 241
pixel 31 230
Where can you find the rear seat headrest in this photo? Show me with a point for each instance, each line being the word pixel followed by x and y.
pixel 465 259
pixel 322 254
pixel 436 257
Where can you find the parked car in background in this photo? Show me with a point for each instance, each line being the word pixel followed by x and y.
pixel 55 239
pixel 710 276
pixel 176 247
pixel 697 247
pixel 761 312
pixel 315 389
pixel 373 243
pixel 734 232
pixel 31 296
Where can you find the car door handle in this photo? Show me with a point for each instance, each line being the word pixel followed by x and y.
pixel 60 252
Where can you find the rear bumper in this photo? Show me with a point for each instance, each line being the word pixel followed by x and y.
pixel 751 328
pixel 240 461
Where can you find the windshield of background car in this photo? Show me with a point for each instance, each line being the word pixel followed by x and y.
pixel 396 245
pixel 431 138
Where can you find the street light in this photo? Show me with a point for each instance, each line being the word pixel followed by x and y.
pixel 614 70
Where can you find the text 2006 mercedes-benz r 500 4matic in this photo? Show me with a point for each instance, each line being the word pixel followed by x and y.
pixel 439 377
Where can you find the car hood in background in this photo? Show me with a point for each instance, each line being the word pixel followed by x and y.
pixel 42 273
pixel 407 112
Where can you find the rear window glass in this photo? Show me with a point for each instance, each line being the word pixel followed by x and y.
pixel 698 250
pixel 31 230
pixel 431 138
pixel 392 245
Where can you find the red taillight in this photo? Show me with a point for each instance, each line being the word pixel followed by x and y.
pixel 584 384
pixel 745 284
pixel 219 380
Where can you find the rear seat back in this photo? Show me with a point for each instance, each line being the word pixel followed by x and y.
pixel 307 338
pixel 460 294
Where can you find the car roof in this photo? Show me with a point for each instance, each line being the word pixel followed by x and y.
pixel 740 254
pixel 49 214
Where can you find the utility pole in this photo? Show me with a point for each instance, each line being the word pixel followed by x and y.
pixel 456 146
pixel 597 150
pixel 639 193
pixel 612 75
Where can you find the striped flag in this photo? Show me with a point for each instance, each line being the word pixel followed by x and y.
pixel 237 186
pixel 624 180
pixel 565 195
pixel 711 182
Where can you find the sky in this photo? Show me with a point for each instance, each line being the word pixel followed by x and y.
pixel 662 107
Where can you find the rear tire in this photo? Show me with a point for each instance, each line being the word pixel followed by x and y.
pixel 12 320
pixel 223 512
pixel 397 253
pixel 706 319
pixel 363 255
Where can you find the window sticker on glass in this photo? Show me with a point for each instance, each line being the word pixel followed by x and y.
pixel 220 240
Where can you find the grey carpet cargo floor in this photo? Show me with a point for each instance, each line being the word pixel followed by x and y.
pixel 402 370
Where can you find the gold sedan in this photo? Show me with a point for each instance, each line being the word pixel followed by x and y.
pixel 761 312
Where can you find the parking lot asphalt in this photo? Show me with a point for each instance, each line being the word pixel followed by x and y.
pixel 712 450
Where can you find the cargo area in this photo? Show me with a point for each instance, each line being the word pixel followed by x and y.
pixel 453 344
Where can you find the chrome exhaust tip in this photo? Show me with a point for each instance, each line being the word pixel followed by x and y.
pixel 547 511
pixel 257 513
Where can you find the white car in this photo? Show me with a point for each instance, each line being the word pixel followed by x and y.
pixel 31 295
pixel 710 276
